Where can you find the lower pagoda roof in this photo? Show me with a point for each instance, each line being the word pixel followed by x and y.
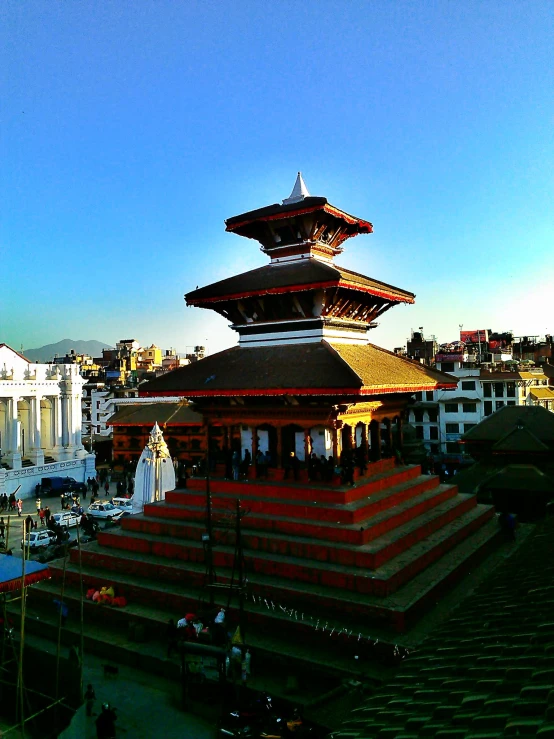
pixel 320 368
pixel 302 274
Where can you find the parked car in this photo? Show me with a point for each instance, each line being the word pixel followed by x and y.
pixel 59 485
pixel 125 504
pixel 39 539
pixel 104 509
pixel 67 519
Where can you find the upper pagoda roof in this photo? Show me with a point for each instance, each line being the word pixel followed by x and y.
pixel 245 223
pixel 322 368
pixel 305 274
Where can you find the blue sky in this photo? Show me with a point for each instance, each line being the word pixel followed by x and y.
pixel 131 130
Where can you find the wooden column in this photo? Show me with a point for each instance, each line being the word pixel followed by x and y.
pixel 375 432
pixel 253 466
pixel 335 435
pixel 307 445
pixel 399 435
pixel 279 447
pixel 388 437
pixel 365 444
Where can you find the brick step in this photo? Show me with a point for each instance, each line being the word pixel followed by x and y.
pixel 268 636
pixel 353 512
pixel 371 555
pixel 381 581
pixel 381 479
pixel 404 603
pixel 374 527
pixel 149 600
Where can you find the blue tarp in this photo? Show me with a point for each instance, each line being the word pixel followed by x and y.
pixel 11 571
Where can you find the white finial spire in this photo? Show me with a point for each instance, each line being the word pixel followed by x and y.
pixel 299 191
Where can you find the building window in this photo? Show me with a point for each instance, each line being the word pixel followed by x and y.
pixel 450 407
pixel 418 395
pixel 429 394
pixel 511 402
pixel 452 447
pixel 511 389
pixel 468 427
pixel 487 390
pixel 499 404
pixel 433 432
pixel 498 389
pixel 447 366
pixel 488 407
pixel 418 416
pixel 469 407
pixel 433 416
pixel 452 428
pixel 419 432
pixel 468 384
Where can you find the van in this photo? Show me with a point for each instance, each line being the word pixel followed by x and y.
pixel 59 485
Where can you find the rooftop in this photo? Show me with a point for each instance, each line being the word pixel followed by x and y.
pixel 322 368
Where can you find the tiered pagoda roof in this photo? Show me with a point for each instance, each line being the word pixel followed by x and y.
pixel 302 320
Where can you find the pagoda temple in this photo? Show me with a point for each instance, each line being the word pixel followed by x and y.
pixel 372 552
pixel 303 379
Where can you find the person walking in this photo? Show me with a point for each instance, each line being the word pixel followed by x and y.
pixel 2 527
pixel 39 506
pixel 107 487
pixel 105 723
pixel 90 697
pixel 41 516
pixel 19 505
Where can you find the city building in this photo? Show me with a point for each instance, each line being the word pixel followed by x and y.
pixel 441 418
pixel 40 422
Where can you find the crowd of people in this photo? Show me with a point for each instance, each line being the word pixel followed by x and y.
pixel 11 504
pixel 319 467
pixel 212 631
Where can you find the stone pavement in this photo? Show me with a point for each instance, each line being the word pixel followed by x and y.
pixel 147 706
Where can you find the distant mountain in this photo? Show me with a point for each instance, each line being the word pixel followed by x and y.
pixel 63 347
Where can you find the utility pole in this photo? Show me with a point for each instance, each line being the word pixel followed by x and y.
pixel 209 527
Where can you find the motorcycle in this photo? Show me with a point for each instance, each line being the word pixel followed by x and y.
pixel 248 722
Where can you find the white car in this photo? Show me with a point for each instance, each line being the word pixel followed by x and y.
pixel 39 540
pixel 104 509
pixel 125 504
pixel 67 519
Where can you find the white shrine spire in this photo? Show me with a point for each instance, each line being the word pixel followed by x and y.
pixel 299 191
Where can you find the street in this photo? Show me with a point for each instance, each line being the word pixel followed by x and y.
pixel 13 533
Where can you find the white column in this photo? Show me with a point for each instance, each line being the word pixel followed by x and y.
pixel 66 435
pixel 36 453
pixel 77 419
pixel 61 427
pixel 13 456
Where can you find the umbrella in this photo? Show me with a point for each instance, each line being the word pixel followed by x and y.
pixel 155 474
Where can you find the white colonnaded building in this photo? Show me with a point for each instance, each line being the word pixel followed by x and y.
pixel 40 423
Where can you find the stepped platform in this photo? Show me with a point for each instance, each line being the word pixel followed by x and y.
pixel 371 557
